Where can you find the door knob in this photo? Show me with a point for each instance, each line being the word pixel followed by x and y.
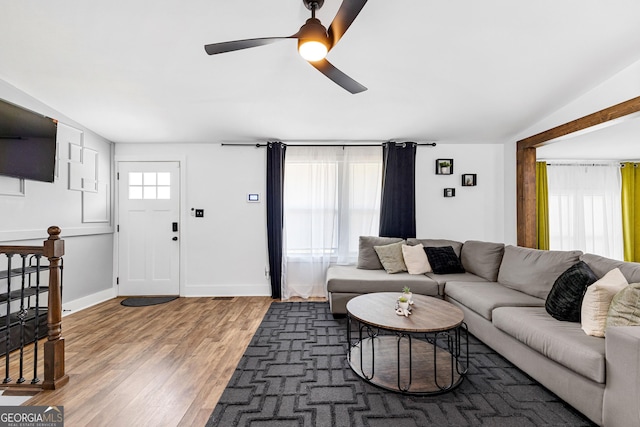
pixel 174 238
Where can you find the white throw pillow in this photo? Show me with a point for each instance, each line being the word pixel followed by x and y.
pixel 416 259
pixel 597 300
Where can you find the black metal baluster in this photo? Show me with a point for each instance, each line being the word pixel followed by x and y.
pixel 7 333
pixel 22 315
pixel 36 328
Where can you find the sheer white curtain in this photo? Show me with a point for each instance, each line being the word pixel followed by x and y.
pixel 585 210
pixel 331 197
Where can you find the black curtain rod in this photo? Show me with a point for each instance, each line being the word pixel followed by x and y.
pixel 258 145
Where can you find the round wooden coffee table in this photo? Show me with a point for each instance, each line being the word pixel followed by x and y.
pixel 418 354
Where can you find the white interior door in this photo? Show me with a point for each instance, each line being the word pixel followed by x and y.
pixel 148 228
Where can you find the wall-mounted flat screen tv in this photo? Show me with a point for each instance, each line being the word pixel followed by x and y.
pixel 27 144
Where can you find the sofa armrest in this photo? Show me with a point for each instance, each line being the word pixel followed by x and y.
pixel 622 391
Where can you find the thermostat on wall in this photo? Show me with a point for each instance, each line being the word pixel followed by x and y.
pixel 253 198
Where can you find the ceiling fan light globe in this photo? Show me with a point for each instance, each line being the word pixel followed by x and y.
pixel 312 50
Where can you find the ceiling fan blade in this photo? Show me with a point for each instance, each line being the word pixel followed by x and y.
pixel 349 10
pixel 338 77
pixel 215 48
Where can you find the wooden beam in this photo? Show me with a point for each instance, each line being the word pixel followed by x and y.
pixel 607 117
pixel 526 197
pixel 526 160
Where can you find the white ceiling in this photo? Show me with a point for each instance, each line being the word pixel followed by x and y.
pixel 620 141
pixel 447 71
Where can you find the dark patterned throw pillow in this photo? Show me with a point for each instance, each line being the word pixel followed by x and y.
pixel 443 260
pixel 565 298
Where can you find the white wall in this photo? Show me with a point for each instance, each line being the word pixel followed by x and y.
pixel 25 218
pixel 621 87
pixel 225 253
pixel 475 213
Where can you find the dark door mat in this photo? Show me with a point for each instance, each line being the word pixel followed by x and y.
pixel 145 301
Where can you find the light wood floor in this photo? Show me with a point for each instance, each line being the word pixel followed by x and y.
pixel 163 365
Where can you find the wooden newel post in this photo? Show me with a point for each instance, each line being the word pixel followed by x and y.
pixel 54 375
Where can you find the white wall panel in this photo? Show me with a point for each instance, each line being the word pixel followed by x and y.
pixel 24 219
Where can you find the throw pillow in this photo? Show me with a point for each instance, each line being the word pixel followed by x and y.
pixel 565 298
pixel 367 256
pixel 415 259
pixel 625 307
pixel 596 301
pixel 391 257
pixel 436 243
pixel 443 260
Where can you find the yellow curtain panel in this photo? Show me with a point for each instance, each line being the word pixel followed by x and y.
pixel 542 205
pixel 631 210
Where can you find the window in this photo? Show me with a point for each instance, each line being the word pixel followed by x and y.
pixel 331 197
pixel 149 185
pixel 585 210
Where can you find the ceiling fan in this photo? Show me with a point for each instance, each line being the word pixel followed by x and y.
pixel 314 41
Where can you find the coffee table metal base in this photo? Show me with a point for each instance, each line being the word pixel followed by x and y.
pixel 420 364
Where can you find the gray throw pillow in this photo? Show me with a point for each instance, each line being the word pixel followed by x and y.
pixel 367 256
pixel 625 307
pixel 482 258
pixel 391 257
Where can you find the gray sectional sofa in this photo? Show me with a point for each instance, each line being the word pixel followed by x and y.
pixel 502 294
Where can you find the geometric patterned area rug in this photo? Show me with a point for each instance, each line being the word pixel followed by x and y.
pixel 295 373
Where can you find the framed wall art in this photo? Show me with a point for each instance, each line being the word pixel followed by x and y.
pixel 449 192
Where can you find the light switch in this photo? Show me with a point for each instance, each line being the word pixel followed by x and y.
pixel 199 213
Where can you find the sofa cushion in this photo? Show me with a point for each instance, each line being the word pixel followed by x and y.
pixel 391 257
pixel 443 279
pixel 601 266
pixel 349 279
pixel 562 342
pixel 415 259
pixel 484 297
pixel 482 258
pixel 596 302
pixel 565 299
pixel 443 260
pixel 437 243
pixel 625 307
pixel 367 256
pixel 534 271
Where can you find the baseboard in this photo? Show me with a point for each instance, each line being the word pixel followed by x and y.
pixel 88 301
pixel 190 291
pixel 262 290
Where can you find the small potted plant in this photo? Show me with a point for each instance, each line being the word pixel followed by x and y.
pixel 445 167
pixel 403 303
pixel 406 292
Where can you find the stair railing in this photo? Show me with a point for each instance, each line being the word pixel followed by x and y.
pixel 16 317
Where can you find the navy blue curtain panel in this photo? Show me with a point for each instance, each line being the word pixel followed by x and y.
pixel 275 214
pixel 398 204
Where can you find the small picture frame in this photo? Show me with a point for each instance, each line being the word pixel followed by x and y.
pixel 449 192
pixel 444 166
pixel 469 180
